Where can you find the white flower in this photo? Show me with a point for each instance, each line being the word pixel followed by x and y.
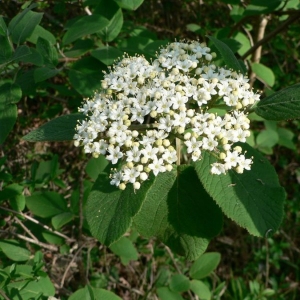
pixel 157 166
pixel 145 107
pixel 114 154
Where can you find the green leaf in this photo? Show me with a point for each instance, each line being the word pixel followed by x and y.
pixel 85 25
pixel 129 4
pixel 46 204
pixel 111 11
pixel 282 105
pixel 109 211
pixel 244 42
pixel 10 94
pixel 3 28
pixel 204 265
pixel 286 138
pixel 59 129
pixel 179 283
pixel 34 58
pixel 200 289
pixel 52 238
pixel 125 249
pixel 165 294
pixel 97 294
pixel 179 212
pixel 80 47
pixel 21 52
pixel 14 251
pixel 23 29
pixel 267 138
pixel 95 166
pixel 32 289
pixel 107 55
pixel 254 199
pixel 40 32
pixel 263 73
pixel 13 193
pixel 43 73
pixel 6 50
pixel 48 52
pixel 86 75
pixel 62 219
pixel 258 7
pixel 228 56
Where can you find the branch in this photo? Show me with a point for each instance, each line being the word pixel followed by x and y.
pixel 32 241
pixel 269 36
pixel 38 223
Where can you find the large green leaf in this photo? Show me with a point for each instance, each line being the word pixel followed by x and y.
pixel 227 55
pixel 83 26
pixel 254 199
pixel 9 95
pixel 178 210
pixel 129 4
pixel 59 129
pixel 24 27
pixel 282 105
pixel 109 211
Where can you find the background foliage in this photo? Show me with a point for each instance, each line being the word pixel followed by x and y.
pixel 52 54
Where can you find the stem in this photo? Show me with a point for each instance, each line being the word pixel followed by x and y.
pixel 269 36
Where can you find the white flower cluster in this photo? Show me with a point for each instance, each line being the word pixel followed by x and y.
pixel 145 108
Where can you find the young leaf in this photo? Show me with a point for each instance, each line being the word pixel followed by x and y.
pixel 129 4
pixel 25 27
pixel 204 265
pixel 179 283
pixel 125 249
pixel 14 251
pixel 109 210
pixel 10 94
pixel 228 56
pixel 61 219
pixel 179 212
pixel 97 294
pixel 200 289
pixel 282 105
pixel 59 129
pixel 264 73
pixel 254 199
pixel 83 26
pixel 164 293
